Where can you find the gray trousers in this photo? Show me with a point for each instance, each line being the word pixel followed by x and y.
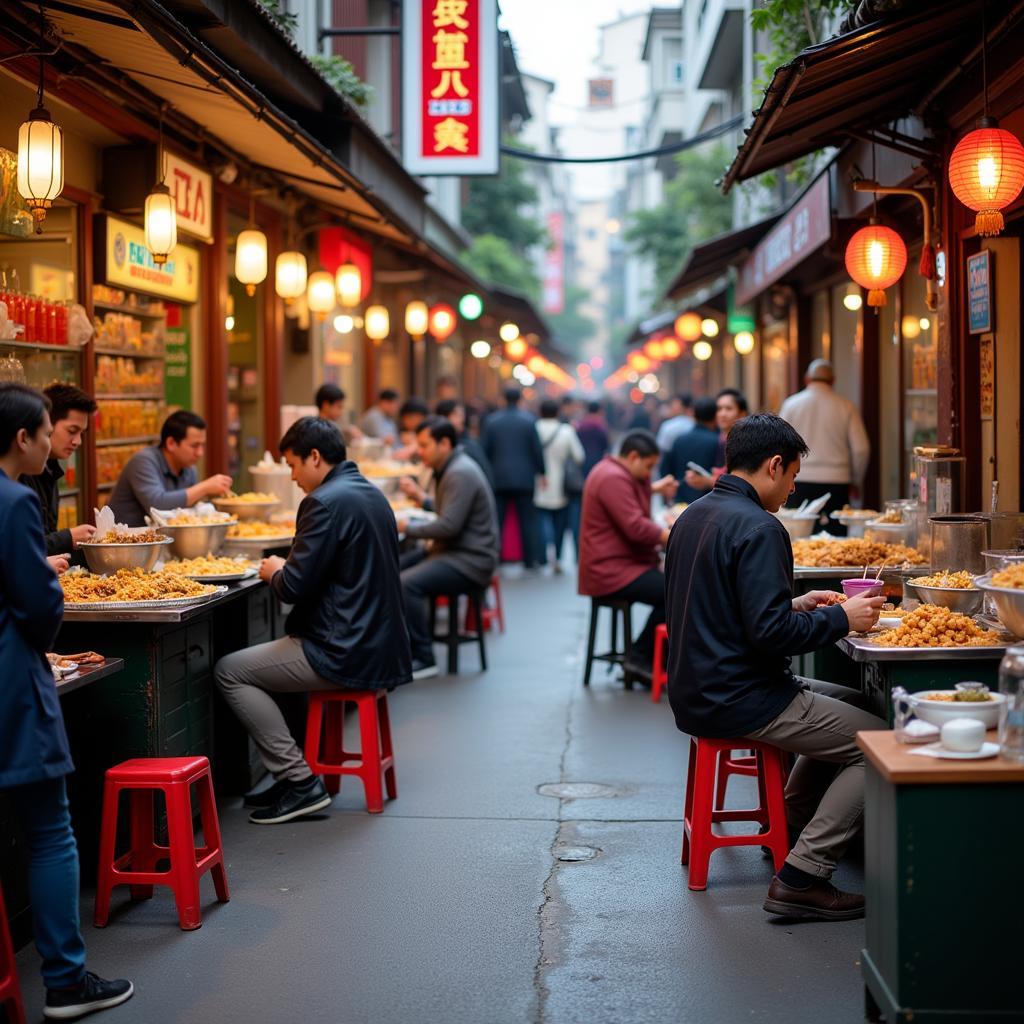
pixel 247 678
pixel 825 792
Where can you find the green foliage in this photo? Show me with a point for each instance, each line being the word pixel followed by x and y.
pixel 494 260
pixel 570 327
pixel 692 211
pixel 495 206
pixel 286 22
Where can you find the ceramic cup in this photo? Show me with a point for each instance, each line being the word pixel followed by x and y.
pixel 863 588
pixel 963 734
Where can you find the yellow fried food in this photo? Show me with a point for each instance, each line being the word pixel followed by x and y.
pixel 209 566
pixel 853 551
pixel 894 517
pixel 129 585
pixel 209 519
pixel 961 580
pixel 120 537
pixel 931 625
pixel 386 468
pixel 252 530
pixel 1011 577
pixel 249 498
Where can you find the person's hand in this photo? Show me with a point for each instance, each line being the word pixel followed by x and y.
pixel 411 489
pixel 405 453
pixel 698 481
pixel 270 566
pixel 813 599
pixel 401 523
pixel 217 484
pixel 82 534
pixel 59 563
pixel 862 612
pixel 666 487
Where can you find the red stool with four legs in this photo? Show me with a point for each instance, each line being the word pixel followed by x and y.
pixel 10 991
pixel 326 755
pixel 659 673
pixel 174 777
pixel 700 812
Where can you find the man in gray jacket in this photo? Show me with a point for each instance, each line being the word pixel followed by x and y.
pixel 463 551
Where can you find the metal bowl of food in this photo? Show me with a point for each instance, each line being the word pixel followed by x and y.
pixel 197 539
pixel 247 508
pixel 956 599
pixel 105 559
pixel 1008 602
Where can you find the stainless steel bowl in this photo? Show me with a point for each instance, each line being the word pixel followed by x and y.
pixel 967 602
pixel 197 539
pixel 1008 601
pixel 108 558
pixel 246 509
pixel 798 527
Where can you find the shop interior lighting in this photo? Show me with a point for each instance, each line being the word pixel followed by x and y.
pixel 910 327
pixel 480 349
pixel 40 154
pixel 709 327
pixel 290 275
pixel 688 327
pixel 378 323
pixel 853 299
pixel 670 348
pixel 349 283
pixel 925 323
pixel 654 349
pixel 508 331
pixel 343 323
pixel 743 343
pixel 320 294
pixel 516 348
pixel 442 322
pixel 702 350
pixel 471 306
pixel 251 253
pixel 160 218
pixel 417 318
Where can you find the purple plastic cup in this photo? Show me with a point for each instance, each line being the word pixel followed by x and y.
pixel 863 588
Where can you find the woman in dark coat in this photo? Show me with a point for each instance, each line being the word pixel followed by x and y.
pixel 34 755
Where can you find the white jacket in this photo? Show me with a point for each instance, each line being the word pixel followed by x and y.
pixel 560 444
pixel 834 432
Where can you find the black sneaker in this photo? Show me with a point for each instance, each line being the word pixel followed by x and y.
pixel 424 669
pixel 265 797
pixel 296 800
pixel 92 994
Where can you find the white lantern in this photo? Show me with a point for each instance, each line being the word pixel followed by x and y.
pixel 251 259
pixel 349 282
pixel 378 323
pixel 480 349
pixel 161 224
pixel 320 296
pixel 40 163
pixel 702 351
pixel 290 275
pixel 508 331
pixel 416 318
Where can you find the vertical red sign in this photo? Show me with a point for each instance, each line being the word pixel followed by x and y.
pixel 554 264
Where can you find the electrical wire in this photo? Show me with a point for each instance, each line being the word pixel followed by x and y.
pixel 675 147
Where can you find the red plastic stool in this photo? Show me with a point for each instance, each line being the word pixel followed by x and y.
pixel 489 615
pixel 729 766
pixel 699 838
pixel 10 991
pixel 174 776
pixel 659 675
pixel 326 755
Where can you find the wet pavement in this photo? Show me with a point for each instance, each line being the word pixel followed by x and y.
pixel 475 898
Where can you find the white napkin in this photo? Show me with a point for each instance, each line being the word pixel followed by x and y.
pixel 162 516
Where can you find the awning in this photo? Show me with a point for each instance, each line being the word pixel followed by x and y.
pixel 522 311
pixel 715 256
pixel 859 81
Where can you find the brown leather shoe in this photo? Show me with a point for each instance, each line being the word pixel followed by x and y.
pixel 820 901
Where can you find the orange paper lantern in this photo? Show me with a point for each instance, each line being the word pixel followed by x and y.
pixel 688 327
pixel 441 322
pixel 876 258
pixel 639 362
pixel 516 348
pixel 654 349
pixel 986 173
pixel 671 349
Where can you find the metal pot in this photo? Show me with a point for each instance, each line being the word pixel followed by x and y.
pixel 957 542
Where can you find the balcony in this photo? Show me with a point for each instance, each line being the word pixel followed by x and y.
pixel 719 49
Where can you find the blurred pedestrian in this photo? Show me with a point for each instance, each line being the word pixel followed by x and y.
pixel 330 406
pixel 699 446
pixel 379 420
pixel 730 407
pixel 563 472
pixel 592 431
pixel 678 422
pixel 455 413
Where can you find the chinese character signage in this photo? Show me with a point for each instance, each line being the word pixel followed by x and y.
pixel 450 86
pixel 979 292
pixel 193 195
pixel 123 261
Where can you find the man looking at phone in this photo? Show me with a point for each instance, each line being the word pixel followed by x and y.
pixel 697 446
pixel 732 623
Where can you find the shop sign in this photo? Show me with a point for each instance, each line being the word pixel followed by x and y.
pixel 450 69
pixel 554 264
pixel 193 196
pixel 979 292
pixel 806 227
pixel 123 261
pixel 737 318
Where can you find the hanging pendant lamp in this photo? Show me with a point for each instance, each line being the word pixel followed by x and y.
pixel 161 217
pixel 876 257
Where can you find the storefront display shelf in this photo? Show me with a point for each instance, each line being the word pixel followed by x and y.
pixel 130 311
pixel 127 353
pixel 156 396
pixel 40 346
pixel 141 439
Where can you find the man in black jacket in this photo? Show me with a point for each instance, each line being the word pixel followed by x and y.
pixel 511 444
pixel 732 622
pixel 347 628
pixel 70 412
pixel 699 444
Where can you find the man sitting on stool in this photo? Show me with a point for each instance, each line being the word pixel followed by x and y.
pixel 464 537
pixel 347 629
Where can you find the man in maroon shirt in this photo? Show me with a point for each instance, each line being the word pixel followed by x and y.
pixel 619 541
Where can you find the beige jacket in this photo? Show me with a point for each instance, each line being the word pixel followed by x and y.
pixel 834 432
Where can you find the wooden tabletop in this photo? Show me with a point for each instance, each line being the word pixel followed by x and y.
pixel 895 762
pixel 88 674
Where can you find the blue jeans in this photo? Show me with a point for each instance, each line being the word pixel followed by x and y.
pixel 42 809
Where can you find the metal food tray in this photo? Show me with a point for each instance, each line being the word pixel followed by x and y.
pixel 821 572
pixel 129 606
pixel 860 649
pixel 261 542
pixel 226 577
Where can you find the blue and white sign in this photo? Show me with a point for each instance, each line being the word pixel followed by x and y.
pixel 979 292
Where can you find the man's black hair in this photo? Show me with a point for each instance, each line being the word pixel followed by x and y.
pixel 548 409
pixel 312 432
pixel 446 407
pixel 440 429
pixel 704 410
pixel 512 396
pixel 642 442
pixel 388 395
pixel 685 399
pixel 66 397
pixel 328 394
pixel 21 408
pixel 593 407
pixel 756 439
pixel 740 398
pixel 414 407
pixel 177 425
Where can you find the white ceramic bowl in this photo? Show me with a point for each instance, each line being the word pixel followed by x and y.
pixel 798 527
pixel 938 712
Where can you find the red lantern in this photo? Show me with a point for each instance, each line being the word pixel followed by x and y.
pixel 876 258
pixel 671 349
pixel 687 327
pixel 654 349
pixel 986 173
pixel 441 322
